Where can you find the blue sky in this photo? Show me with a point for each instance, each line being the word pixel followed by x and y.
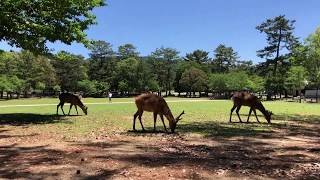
pixel 187 25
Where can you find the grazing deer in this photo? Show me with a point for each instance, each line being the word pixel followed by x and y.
pixel 246 99
pixel 157 105
pixel 73 100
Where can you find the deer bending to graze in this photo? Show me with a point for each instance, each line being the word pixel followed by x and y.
pixel 246 99
pixel 73 100
pixel 157 105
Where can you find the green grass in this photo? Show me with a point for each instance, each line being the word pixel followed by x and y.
pixel 208 118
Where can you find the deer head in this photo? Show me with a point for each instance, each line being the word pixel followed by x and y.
pixel 173 124
pixel 268 116
pixel 85 109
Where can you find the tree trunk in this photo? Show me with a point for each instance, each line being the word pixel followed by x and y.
pixel 278 53
pixel 269 96
pixel 1 94
pixel 317 95
pixel 299 91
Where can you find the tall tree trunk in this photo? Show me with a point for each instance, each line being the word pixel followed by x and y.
pixel 317 95
pixel 1 94
pixel 278 53
pixel 299 91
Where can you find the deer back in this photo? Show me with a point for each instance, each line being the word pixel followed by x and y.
pixel 152 103
pixel 70 98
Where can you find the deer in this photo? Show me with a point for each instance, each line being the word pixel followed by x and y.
pixel 247 99
pixel 156 104
pixel 74 100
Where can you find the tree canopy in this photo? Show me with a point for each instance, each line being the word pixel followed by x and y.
pixel 31 24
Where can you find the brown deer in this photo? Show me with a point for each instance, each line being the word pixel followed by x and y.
pixel 156 104
pixel 246 99
pixel 73 100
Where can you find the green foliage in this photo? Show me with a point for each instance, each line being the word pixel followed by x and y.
pixel 30 24
pixel 102 63
pixel 218 82
pixel 296 79
pixel 256 83
pixel 87 86
pixel 225 59
pixel 278 30
pixel 101 88
pixel 123 86
pixel 198 56
pixel 127 50
pixel 237 81
pixel 163 64
pixel 194 80
pixel 70 69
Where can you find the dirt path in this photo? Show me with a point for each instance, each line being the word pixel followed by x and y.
pixel 291 153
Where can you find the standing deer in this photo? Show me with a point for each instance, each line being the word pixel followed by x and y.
pixel 246 99
pixel 73 100
pixel 157 105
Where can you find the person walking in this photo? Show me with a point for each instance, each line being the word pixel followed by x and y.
pixel 110 96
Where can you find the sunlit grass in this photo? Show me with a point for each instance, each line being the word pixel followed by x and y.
pixel 206 118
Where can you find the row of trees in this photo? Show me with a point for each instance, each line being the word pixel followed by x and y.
pixel 290 66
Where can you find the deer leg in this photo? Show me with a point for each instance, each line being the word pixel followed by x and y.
pixel 140 115
pixel 237 111
pixel 255 113
pixel 232 109
pixel 76 109
pixel 164 125
pixel 155 121
pixel 70 109
pixel 58 107
pixel 134 120
pixel 249 115
pixel 61 106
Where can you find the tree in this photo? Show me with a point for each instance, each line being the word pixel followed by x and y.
pixel 218 82
pixel 194 80
pixel 70 69
pixel 237 81
pixel 198 56
pixel 279 32
pixel 164 60
pixel 87 87
pixel 127 74
pixel 225 59
pixel 308 56
pixel 30 24
pixel 102 63
pixel 5 85
pixel 256 83
pixel 296 79
pixel 127 50
pixel 35 69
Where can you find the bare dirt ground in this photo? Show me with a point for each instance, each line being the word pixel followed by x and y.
pixel 290 152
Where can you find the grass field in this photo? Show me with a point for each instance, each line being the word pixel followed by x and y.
pixel 207 118
pixel 206 144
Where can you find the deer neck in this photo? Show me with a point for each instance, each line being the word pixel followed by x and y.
pixel 170 118
pixel 261 108
pixel 80 104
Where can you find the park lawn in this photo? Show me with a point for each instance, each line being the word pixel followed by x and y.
pixel 205 118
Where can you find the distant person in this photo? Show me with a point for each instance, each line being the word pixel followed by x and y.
pixel 110 96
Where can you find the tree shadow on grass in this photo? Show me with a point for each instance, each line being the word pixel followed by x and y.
pixel 311 119
pixel 19 119
pixel 218 129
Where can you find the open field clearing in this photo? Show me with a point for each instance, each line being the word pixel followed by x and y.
pixel 35 143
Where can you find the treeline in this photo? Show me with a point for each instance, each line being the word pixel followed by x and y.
pixel 290 66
